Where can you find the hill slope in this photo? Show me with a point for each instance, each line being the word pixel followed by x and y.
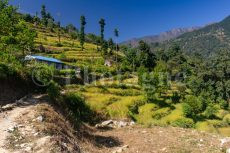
pixel 168 35
pixel 207 40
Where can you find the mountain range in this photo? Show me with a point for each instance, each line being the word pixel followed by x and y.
pixel 164 36
pixel 205 40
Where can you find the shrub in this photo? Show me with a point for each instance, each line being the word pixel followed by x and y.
pixel 176 97
pixel 53 91
pixel 210 111
pixel 187 110
pixel 223 104
pixel 184 123
pixel 135 106
pixel 227 119
pixel 141 72
pixel 77 107
pixel 161 113
pixel 62 56
pixel 217 123
pixel 192 106
pixel 42 74
pixel 5 71
pixel 59 45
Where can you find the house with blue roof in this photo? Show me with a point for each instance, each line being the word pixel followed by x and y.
pixel 50 61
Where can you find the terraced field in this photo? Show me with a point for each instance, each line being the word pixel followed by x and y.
pixel 70 51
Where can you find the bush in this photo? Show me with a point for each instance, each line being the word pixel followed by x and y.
pixel 217 123
pixel 77 107
pixel 187 110
pixel 210 111
pixel 176 97
pixel 192 107
pixel 141 72
pixel 53 91
pixel 161 113
pixel 184 123
pixel 223 104
pixel 42 74
pixel 227 119
pixel 135 106
pixel 59 45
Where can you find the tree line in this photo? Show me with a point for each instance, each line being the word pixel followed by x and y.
pixel 47 20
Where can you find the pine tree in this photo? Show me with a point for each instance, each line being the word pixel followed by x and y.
pixel 82 32
pixel 102 26
pixel 44 15
pixel 116 34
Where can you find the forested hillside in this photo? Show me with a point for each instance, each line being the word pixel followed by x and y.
pixel 121 92
pixel 208 40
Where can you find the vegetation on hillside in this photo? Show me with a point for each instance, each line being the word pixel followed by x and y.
pixel 165 87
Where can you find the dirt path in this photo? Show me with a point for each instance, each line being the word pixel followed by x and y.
pixel 130 139
pixel 8 118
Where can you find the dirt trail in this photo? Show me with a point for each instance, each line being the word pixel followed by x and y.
pixel 8 118
pixel 129 139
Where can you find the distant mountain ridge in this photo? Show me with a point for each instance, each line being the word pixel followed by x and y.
pixel 205 41
pixel 164 36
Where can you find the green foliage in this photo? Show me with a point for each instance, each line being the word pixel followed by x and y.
pixel 184 123
pixel 82 32
pixel 42 73
pixel 223 104
pixel 53 91
pixel 210 111
pixel 160 113
pixel 227 119
pixel 77 107
pixel 141 74
pixel 192 107
pixel 135 106
pixel 156 82
pixel 102 25
pixel 25 37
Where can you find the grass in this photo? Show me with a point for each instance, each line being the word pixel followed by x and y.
pixel 114 96
pixel 69 53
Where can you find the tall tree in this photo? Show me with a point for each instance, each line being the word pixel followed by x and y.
pixel 44 15
pixel 36 19
pixel 116 34
pixel 102 26
pixel 25 38
pixel 82 32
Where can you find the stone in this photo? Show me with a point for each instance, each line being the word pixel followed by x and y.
pixel 223 141
pixel 12 129
pixel 122 124
pixel 132 123
pixel 40 119
pixel 107 122
pixel 228 150
pixel 8 107
pixel 23 145
pixel 28 149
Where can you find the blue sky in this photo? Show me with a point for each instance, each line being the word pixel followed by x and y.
pixel 133 18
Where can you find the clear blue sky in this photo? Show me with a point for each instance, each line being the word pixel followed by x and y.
pixel 134 18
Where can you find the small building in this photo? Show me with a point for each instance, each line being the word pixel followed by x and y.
pixel 108 63
pixel 50 61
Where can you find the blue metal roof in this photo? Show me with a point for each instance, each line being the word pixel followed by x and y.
pixel 47 59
